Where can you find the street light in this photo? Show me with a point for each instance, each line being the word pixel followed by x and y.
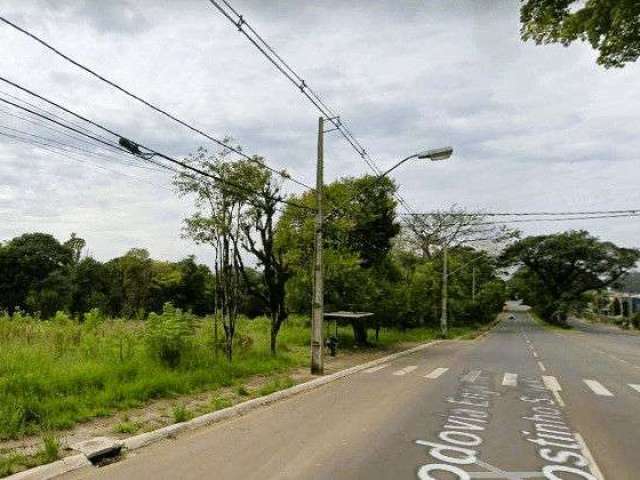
pixel 435 155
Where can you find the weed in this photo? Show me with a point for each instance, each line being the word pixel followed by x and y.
pixel 181 414
pixel 242 391
pixel 125 427
pixel 50 448
pixel 275 385
pixel 219 403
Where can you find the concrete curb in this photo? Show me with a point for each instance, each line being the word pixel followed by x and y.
pixel 145 439
pixel 52 470
pixel 74 462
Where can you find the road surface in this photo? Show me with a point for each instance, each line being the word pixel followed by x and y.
pixel 523 402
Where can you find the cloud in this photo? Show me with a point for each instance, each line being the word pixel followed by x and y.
pixel 532 127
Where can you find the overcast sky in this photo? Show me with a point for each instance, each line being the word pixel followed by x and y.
pixel 533 128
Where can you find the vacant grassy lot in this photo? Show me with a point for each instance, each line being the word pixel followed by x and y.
pixel 54 374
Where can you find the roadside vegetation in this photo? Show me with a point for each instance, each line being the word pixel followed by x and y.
pixel 83 338
pixel 58 372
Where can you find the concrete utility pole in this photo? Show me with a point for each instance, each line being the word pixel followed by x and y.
pixel 473 285
pixel 317 307
pixel 444 329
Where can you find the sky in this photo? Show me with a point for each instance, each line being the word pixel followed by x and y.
pixel 533 127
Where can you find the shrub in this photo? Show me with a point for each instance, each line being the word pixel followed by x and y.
pixel 169 335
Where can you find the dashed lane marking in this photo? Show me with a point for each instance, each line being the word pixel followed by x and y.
pixel 542 367
pixel 635 387
pixel 436 373
pixel 535 354
pixel 405 370
pixel 510 380
pixel 375 369
pixel 551 383
pixel 472 376
pixel 597 388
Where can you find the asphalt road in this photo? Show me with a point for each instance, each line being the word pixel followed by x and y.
pixel 523 402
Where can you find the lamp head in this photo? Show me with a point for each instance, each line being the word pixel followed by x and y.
pixel 436 154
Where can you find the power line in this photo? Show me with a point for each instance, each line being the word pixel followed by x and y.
pixel 136 152
pixel 522 214
pixel 563 219
pixel 63 146
pixel 283 67
pixel 70 156
pixel 111 83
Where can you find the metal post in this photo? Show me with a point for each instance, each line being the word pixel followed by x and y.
pixel 317 365
pixel 445 277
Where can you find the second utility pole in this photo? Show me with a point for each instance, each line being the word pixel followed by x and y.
pixel 445 277
pixel 317 307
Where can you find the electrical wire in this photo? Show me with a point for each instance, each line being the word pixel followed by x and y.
pixel 522 214
pixel 143 155
pixel 283 67
pixel 171 116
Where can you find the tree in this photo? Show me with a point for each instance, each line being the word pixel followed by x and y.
pixel 76 245
pixel 29 266
pixel 359 229
pixel 557 270
pixel 258 227
pixel 217 221
pixel 612 27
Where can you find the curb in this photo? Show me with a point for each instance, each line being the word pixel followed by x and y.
pixel 145 439
pixel 75 462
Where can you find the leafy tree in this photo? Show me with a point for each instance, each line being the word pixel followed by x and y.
pixel 217 222
pixel 359 228
pixel 612 27
pixel 76 245
pixel 26 265
pixel 557 270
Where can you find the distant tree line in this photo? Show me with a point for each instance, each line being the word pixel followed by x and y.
pixel 38 274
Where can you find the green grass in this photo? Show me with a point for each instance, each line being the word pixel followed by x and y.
pixel 274 385
pixel 55 374
pixel 218 403
pixel 125 427
pixel 14 462
pixel 181 414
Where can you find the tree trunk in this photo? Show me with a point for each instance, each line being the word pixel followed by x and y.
pixel 359 333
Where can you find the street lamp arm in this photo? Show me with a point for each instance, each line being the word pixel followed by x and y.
pixel 387 172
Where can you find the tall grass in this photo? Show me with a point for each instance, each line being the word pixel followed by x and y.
pixel 56 373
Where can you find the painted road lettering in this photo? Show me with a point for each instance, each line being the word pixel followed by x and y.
pixel 461 434
pixel 555 443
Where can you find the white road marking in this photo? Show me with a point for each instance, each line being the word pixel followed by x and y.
pixel 472 376
pixel 510 380
pixel 558 398
pixel 597 388
pixel 551 383
pixel 635 387
pixel 535 354
pixel 405 370
pixel 375 369
pixel 542 367
pixel 497 473
pixel 593 466
pixel 436 373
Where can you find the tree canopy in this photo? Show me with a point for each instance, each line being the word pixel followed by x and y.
pixel 612 27
pixel 557 270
